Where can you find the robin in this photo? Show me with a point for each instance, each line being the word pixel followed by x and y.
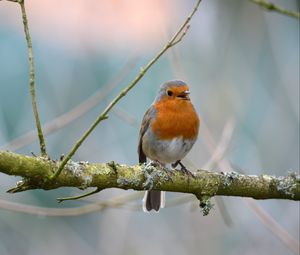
pixel 168 132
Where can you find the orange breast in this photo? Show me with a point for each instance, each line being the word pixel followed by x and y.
pixel 175 118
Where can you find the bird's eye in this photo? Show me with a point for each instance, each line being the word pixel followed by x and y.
pixel 169 93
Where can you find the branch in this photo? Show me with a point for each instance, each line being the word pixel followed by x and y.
pixel 272 7
pixel 78 111
pixel 32 80
pixel 277 230
pixel 205 184
pixel 116 202
pixel 104 115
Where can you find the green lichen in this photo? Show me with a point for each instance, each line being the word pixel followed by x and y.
pixel 294 176
pixel 127 177
pixel 150 176
pixel 287 185
pixel 230 177
pixel 153 175
pixel 78 169
pixel 206 205
pixel 127 183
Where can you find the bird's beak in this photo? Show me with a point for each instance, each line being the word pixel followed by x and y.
pixel 184 95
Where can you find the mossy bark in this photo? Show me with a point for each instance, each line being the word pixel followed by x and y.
pixel 37 170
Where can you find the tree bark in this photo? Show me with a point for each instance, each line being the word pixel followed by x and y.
pixel 37 170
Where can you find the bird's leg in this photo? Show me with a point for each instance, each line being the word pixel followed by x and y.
pixel 183 168
pixel 163 167
pixel 174 165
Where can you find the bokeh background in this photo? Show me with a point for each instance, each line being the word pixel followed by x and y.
pixel 242 64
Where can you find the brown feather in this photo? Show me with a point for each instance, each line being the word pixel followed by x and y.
pixel 144 126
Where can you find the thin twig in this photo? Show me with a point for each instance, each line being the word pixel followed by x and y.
pixel 61 199
pixel 75 113
pixel 115 202
pixel 121 201
pixel 273 225
pixel 125 116
pixel 272 7
pixel 222 146
pixel 265 217
pixel 219 152
pixel 32 81
pixel 123 93
pixel 182 35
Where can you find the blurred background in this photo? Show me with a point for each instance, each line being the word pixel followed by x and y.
pixel 242 65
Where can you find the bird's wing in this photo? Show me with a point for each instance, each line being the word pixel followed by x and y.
pixel 144 126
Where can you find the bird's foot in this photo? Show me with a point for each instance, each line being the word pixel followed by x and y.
pixel 183 168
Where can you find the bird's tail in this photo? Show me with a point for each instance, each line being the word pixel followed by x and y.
pixel 153 200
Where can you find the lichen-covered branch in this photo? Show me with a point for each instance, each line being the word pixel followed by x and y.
pixel 36 171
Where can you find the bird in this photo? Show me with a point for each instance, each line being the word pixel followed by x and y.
pixel 168 131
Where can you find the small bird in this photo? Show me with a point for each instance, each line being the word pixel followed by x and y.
pixel 168 131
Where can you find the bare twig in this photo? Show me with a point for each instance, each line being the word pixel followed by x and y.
pixel 64 212
pixel 75 113
pixel 123 93
pixel 219 150
pixel 32 80
pixel 61 199
pixel 272 7
pixel 265 217
pixel 273 226
pixel 182 35
pixel 126 116
pixel 218 154
pixel 121 201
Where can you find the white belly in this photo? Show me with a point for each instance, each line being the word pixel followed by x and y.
pixel 167 151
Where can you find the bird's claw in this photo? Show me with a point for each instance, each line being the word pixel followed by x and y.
pixel 183 168
pixel 187 172
pixel 169 173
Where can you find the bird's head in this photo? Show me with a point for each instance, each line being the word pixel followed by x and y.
pixel 173 90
